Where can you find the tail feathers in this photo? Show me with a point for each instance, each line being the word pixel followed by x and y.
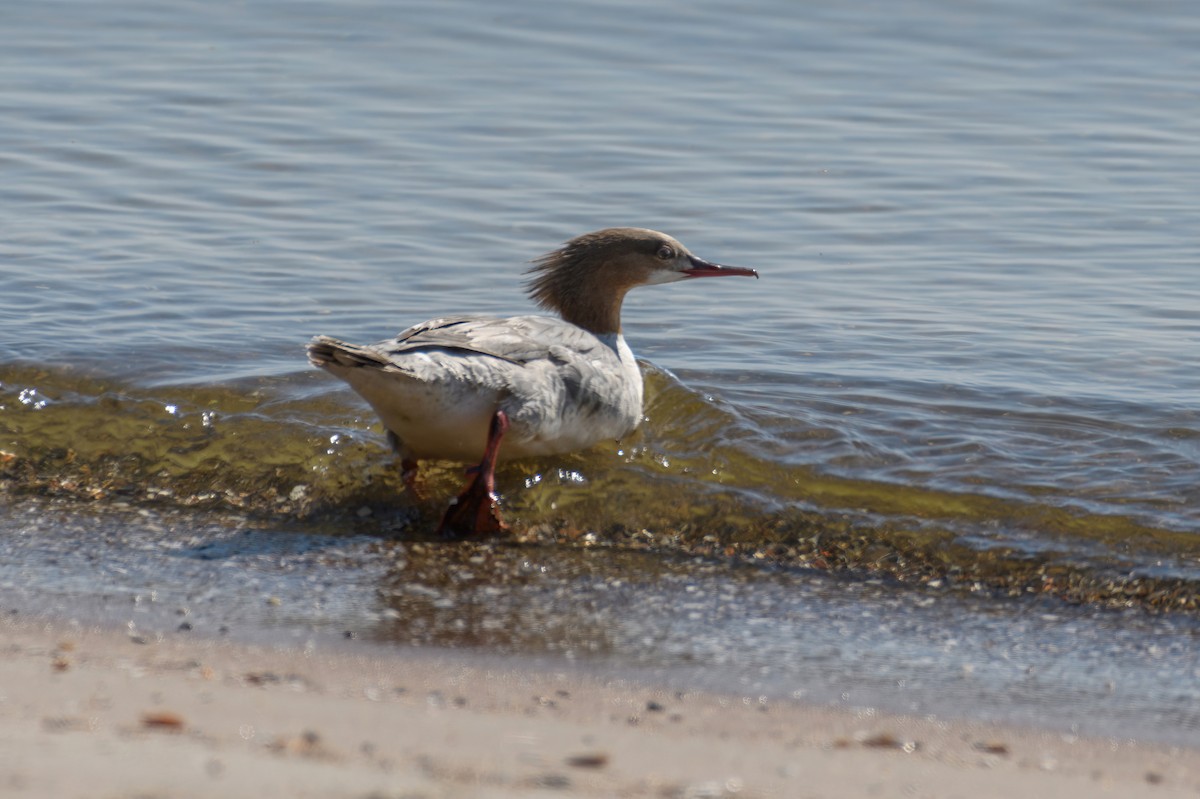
pixel 325 352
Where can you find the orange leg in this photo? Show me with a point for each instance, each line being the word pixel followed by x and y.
pixel 408 473
pixel 409 468
pixel 476 510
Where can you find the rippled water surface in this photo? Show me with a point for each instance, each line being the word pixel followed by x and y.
pixel 973 361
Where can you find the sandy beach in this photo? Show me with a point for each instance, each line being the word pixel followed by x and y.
pixel 88 712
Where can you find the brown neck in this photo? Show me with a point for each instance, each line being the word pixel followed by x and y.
pixel 584 296
pixel 589 312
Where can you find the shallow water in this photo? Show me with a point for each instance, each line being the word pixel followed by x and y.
pixel 767 636
pixel 972 362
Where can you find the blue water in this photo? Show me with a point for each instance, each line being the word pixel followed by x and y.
pixel 975 224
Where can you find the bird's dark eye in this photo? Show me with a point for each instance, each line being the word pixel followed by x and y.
pixel 666 252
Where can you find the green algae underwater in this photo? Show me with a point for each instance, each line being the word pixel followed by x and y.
pixel 696 479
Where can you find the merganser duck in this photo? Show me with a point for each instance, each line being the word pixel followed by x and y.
pixel 453 387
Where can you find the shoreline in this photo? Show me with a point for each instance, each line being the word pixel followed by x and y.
pixel 87 711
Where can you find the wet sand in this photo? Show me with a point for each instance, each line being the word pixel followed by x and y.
pixel 100 712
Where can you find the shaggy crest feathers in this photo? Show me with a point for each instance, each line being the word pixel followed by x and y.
pixel 571 281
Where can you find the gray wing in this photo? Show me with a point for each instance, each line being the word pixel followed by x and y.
pixel 554 365
pixel 518 339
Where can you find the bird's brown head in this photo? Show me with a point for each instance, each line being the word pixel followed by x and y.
pixel 586 279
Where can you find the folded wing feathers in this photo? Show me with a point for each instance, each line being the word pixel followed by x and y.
pixel 324 351
pixel 517 340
